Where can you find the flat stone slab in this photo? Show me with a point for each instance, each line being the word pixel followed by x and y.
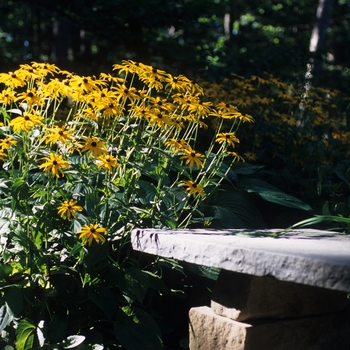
pixel 305 256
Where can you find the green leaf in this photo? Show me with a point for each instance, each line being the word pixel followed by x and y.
pixel 104 299
pixel 96 253
pixel 72 341
pixel 233 208
pixel 137 282
pixel 6 316
pixel 204 271
pixel 136 329
pixel 14 298
pixel 245 168
pixel 25 335
pixel 272 194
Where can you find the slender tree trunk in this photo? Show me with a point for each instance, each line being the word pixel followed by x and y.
pixel 318 38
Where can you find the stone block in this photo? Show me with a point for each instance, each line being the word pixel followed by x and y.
pixel 243 297
pixel 209 331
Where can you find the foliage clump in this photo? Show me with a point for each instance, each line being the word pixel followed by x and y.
pixel 86 159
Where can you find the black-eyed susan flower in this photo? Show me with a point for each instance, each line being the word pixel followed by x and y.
pixel 94 146
pixel 250 156
pixel 179 83
pixel 107 162
pixel 7 143
pixel 46 68
pixel 12 79
pixel 228 137
pixel 193 188
pixel 3 155
pixel 192 157
pixel 69 209
pixel 220 113
pixel 236 155
pixel 122 93
pixel 54 163
pixel 58 134
pixel 7 96
pixel 30 97
pixel 246 118
pixel 25 122
pixel 92 232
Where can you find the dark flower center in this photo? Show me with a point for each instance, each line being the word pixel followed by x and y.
pixel 54 162
pixel 93 144
pixel 194 185
pixel 193 154
pixel 126 91
pixel 111 105
pixel 26 118
pixel 30 94
pixel 92 230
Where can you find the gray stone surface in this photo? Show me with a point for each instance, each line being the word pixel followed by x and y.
pixel 209 331
pixel 311 257
pixel 244 297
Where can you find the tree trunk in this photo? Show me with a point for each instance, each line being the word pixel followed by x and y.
pixel 318 37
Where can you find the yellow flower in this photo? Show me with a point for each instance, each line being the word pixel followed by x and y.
pixel 58 134
pixel 54 163
pixel 7 143
pixel 236 155
pixel 228 137
pixel 179 83
pixel 193 188
pixel 2 155
pixel 122 93
pixel 95 146
pixel 7 96
pixel 192 158
pixel 226 114
pixel 12 79
pixel 107 162
pixel 250 155
pixel 69 209
pixel 25 122
pixel 30 97
pixel 246 118
pixel 92 232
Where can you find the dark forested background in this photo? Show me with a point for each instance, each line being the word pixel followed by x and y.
pixel 205 39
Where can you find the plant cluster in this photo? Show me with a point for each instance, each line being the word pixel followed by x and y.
pixel 301 137
pixel 86 159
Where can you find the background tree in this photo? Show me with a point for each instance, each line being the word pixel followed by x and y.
pixel 208 39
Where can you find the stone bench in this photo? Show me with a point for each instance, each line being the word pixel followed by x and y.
pixel 272 293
